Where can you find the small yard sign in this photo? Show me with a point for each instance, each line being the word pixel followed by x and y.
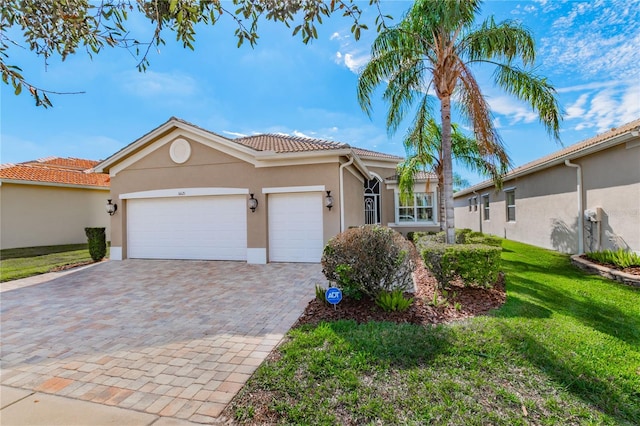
pixel 333 295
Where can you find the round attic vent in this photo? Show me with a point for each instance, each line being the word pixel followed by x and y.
pixel 180 151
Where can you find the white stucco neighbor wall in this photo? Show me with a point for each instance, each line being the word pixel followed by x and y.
pixel 36 215
pixel 547 203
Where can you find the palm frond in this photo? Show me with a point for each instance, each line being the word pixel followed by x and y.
pixel 506 41
pixel 534 90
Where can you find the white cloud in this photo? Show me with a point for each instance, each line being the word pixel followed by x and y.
pixel 605 108
pixel 576 109
pixel 236 134
pixel 354 58
pixel 595 38
pixel 152 84
pixel 519 10
pixel 512 109
pixel 301 135
pixel 355 61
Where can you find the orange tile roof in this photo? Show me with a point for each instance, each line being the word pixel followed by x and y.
pixel 69 171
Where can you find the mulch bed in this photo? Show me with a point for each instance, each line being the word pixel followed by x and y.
pixel 470 301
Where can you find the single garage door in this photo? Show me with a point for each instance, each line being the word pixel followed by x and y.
pixel 295 227
pixel 211 228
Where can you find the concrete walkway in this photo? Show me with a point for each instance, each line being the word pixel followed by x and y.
pixel 158 342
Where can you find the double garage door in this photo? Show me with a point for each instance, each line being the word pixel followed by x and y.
pixel 215 227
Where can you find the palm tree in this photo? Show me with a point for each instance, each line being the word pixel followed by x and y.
pixel 423 145
pixel 434 49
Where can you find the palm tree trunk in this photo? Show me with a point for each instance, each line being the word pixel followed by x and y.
pixel 441 212
pixel 447 168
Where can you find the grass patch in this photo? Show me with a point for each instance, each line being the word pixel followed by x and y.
pixel 564 349
pixel 29 261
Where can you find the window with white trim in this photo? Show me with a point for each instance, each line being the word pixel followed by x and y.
pixel 510 201
pixel 419 208
pixel 485 206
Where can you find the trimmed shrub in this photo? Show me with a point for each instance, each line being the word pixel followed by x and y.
pixel 368 260
pixel 475 264
pixel 462 234
pixel 97 243
pixel 414 236
pixel 480 238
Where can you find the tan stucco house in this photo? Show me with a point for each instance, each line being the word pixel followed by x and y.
pixel 184 192
pixel 50 201
pixel 585 197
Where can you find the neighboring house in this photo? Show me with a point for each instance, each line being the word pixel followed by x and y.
pixel 184 192
pixel 585 197
pixel 50 202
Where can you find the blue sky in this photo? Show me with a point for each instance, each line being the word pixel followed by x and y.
pixel 589 50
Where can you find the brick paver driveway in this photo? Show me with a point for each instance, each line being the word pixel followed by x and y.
pixel 173 338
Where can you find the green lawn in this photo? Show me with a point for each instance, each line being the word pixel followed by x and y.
pixel 25 262
pixel 564 349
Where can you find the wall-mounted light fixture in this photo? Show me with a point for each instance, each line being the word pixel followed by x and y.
pixel 253 203
pixel 111 208
pixel 328 200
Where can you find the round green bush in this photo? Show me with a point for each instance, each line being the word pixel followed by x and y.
pixel 368 260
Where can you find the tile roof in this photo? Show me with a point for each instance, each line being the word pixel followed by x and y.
pixel 562 154
pixel 418 176
pixel 69 171
pixel 367 153
pixel 602 137
pixel 285 143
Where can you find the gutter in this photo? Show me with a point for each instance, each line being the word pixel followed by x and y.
pixel 341 172
pixel 578 168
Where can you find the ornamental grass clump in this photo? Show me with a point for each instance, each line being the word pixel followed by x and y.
pixel 368 260
pixel 620 258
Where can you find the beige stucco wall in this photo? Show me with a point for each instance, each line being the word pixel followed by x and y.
pixel 34 215
pixel 353 199
pixel 208 167
pixel 547 204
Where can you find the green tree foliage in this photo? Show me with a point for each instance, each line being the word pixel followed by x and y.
pixel 423 145
pixel 435 48
pixel 63 27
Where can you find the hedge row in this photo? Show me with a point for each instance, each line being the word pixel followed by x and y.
pixel 475 258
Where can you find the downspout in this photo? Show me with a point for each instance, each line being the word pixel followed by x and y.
pixel 342 166
pixel 568 163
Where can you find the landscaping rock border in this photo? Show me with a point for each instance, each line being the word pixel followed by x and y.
pixel 612 274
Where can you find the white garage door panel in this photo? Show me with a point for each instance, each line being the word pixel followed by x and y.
pixel 295 227
pixel 212 228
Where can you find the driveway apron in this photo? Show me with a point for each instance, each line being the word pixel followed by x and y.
pixel 171 338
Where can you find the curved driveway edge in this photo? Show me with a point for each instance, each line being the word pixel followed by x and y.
pixel 171 338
